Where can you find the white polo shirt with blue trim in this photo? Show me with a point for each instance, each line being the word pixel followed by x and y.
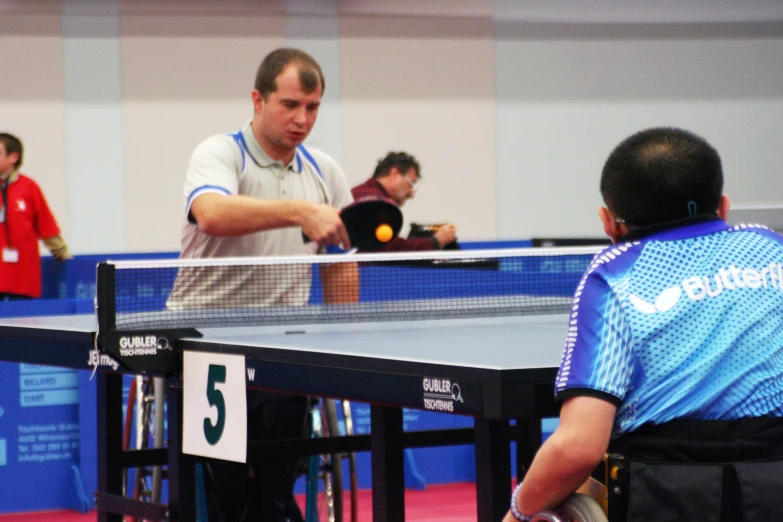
pixel 236 164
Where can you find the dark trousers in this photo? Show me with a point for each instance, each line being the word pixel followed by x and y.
pixel 263 489
pixel 710 471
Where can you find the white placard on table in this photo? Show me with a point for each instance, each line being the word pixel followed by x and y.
pixel 214 418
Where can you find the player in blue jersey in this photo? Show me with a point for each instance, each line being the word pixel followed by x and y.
pixel 675 345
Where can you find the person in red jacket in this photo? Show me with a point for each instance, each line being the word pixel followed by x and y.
pixel 24 219
pixel 395 178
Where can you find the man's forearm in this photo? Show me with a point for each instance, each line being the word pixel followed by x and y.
pixel 553 476
pixel 228 216
pixel 58 247
pixel 340 283
pixel 568 457
pixel 237 215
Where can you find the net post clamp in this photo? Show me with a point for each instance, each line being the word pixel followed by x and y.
pixel 153 352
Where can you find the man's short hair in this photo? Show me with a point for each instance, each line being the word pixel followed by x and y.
pixel 662 174
pixel 310 73
pixel 402 160
pixel 12 144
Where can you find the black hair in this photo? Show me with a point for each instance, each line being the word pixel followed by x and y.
pixel 402 160
pixel 12 144
pixel 662 174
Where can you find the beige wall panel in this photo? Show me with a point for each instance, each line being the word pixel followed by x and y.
pixel 639 11
pixel 407 58
pixel 438 8
pixel 202 7
pixel 426 87
pixel 31 67
pixel 22 22
pixel 453 141
pixel 159 139
pixel 195 57
pixel 41 127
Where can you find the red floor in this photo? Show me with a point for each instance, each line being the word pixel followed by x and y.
pixel 439 503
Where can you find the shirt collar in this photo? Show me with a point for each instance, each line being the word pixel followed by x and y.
pixel 260 157
pixel 380 186
pixel 678 228
pixel 12 177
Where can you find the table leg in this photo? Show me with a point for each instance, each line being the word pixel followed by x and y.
pixel 182 468
pixel 109 389
pixel 493 469
pixel 388 477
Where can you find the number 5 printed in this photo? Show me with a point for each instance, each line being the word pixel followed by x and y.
pixel 217 373
pixel 215 427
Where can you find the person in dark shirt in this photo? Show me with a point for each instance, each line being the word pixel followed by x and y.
pixel 395 178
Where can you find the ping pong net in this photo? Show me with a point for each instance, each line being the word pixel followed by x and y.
pixel 171 298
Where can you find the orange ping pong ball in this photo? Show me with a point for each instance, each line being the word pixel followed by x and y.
pixel 384 233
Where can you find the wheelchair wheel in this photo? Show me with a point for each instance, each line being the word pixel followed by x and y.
pixel 581 508
pixel 331 503
pixel 353 477
pixel 329 508
pixel 146 396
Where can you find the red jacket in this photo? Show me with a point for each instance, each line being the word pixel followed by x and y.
pixel 372 188
pixel 28 219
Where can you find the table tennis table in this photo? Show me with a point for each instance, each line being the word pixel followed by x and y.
pixel 503 369
pixel 458 333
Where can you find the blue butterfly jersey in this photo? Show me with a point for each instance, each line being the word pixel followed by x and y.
pixel 682 324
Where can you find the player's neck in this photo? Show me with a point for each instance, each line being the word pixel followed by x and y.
pixel 277 153
pixel 8 176
pixel 385 182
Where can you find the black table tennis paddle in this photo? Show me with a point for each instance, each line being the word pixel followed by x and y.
pixel 371 222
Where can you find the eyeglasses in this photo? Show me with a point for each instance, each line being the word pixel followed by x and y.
pixel 411 183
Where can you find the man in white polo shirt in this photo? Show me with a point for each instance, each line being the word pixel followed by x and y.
pixel 276 191
pixel 258 192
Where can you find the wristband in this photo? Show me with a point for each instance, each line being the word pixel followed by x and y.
pixel 514 509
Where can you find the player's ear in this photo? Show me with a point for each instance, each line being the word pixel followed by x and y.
pixel 612 228
pixel 723 207
pixel 258 100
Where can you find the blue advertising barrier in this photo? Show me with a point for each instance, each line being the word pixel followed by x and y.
pixel 75 279
pixel 40 438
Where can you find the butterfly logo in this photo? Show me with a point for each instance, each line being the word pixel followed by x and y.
pixel 663 303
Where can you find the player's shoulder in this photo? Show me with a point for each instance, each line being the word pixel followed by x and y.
pixel 26 181
pixel 761 231
pixel 616 257
pixel 217 144
pixel 325 162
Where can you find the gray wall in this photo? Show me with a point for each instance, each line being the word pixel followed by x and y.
pixel 511 106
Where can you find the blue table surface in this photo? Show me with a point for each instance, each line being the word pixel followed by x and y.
pixel 496 343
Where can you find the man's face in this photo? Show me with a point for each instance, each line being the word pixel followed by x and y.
pixel 7 161
pixel 403 185
pixel 284 120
